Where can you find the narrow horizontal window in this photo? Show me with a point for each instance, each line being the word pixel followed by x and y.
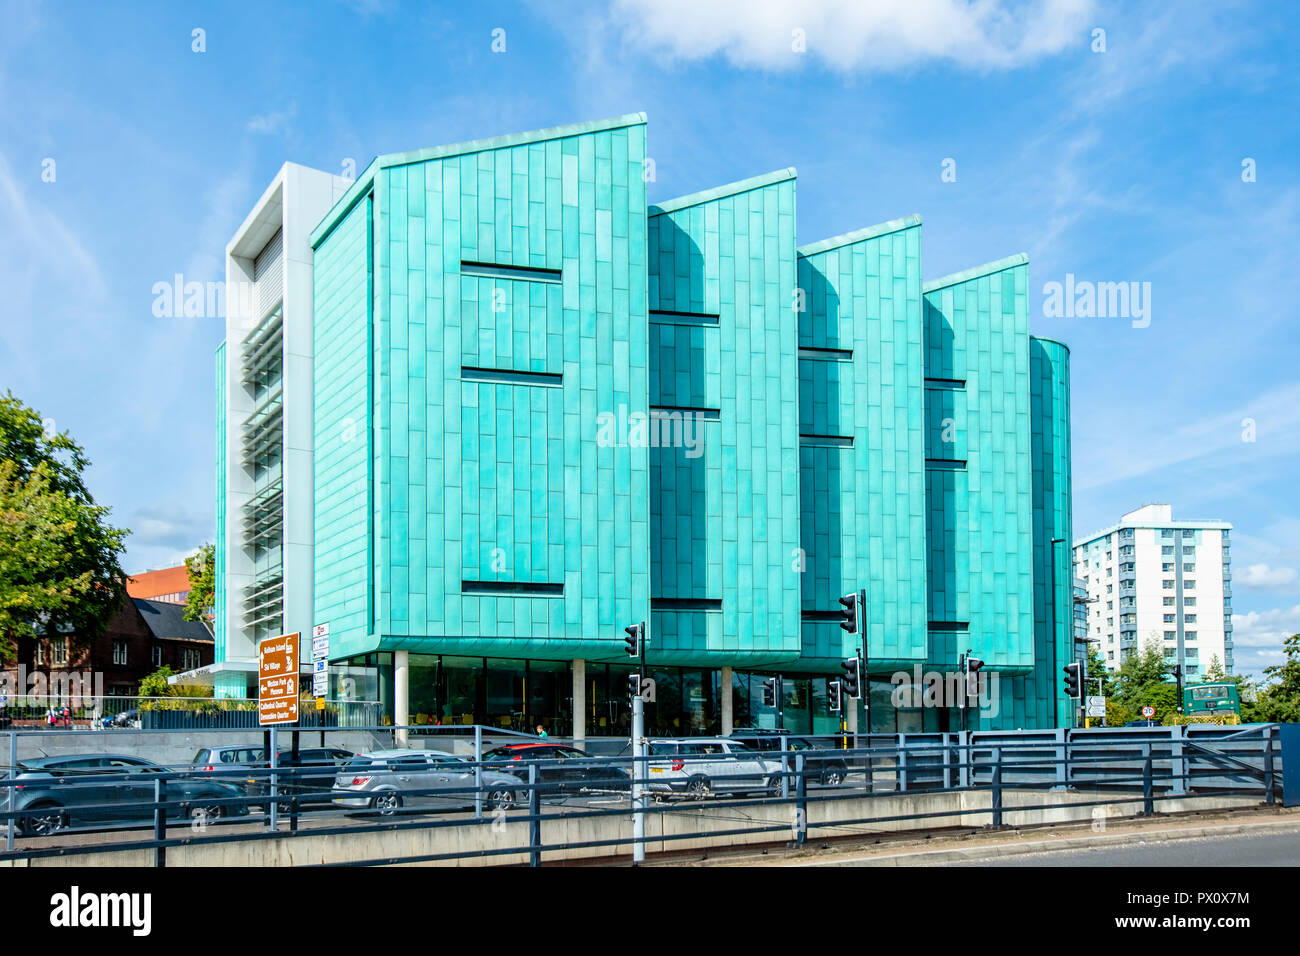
pixel 663 411
pixel 826 355
pixel 945 383
pixel 945 464
pixel 828 616
pixel 686 604
pixel 684 318
pixel 502 376
pixel 513 588
pixel 832 441
pixel 493 270
pixel 949 625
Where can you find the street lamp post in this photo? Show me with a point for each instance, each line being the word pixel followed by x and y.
pixel 1055 635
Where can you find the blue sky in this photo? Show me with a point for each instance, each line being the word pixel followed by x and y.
pixel 1114 165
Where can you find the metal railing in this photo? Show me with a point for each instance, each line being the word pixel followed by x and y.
pixel 132 810
pixel 32 712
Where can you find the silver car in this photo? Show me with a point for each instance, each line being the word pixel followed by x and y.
pixel 388 780
pixel 701 765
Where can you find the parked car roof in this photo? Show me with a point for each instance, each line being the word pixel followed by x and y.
pixel 386 754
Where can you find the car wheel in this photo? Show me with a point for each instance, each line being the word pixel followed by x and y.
pixel 386 803
pixel 699 787
pixel 501 799
pixel 773 785
pixel 206 813
pixel 46 818
pixel 833 776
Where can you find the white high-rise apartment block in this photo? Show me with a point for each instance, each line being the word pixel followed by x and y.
pixel 1151 578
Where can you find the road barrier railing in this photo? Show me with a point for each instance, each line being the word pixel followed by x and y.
pixel 78 811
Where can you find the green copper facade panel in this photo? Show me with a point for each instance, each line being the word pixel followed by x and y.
pixel 725 522
pixel 862 454
pixel 343 574
pixel 980 507
pixel 509 319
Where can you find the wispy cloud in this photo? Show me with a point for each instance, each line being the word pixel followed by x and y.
pixel 275 122
pixel 852 36
pixel 1257 637
pixel 1265 577
pixel 1158 447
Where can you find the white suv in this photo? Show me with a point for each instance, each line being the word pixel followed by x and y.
pixel 701 765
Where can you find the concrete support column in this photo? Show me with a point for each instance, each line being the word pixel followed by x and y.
pixel 579 701
pixel 724 688
pixel 401 694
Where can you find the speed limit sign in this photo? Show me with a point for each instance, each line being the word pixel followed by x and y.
pixel 1148 711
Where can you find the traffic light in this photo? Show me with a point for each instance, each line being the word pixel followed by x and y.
pixel 633 686
pixel 835 696
pixel 771 691
pixel 635 634
pixel 973 664
pixel 1072 679
pixel 852 679
pixel 850 612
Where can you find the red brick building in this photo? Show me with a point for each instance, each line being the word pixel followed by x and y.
pixel 142 635
pixel 166 584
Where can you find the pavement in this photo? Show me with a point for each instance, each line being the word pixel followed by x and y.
pixel 1268 836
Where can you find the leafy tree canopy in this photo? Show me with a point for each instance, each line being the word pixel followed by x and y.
pixel 59 556
pixel 202 572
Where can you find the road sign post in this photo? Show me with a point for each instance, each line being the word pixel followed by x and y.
pixel 277 680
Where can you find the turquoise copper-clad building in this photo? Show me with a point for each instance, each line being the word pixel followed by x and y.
pixel 539 410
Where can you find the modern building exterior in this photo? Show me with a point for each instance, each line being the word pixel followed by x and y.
pixel 542 410
pixel 1151 578
pixel 264 371
pixel 161 584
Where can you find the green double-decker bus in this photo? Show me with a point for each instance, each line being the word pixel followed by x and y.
pixel 1216 702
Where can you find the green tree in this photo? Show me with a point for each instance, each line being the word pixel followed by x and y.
pixel 155 685
pixel 59 556
pixel 1143 680
pixel 1214 671
pixel 1278 700
pixel 201 568
pixel 1096 667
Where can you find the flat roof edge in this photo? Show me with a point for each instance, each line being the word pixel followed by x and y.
pixel 719 192
pixel 1048 338
pixel 859 235
pixel 1192 525
pixel 989 268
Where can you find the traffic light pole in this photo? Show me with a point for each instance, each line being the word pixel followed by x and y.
pixel 780 702
pixel 864 679
pixel 638 774
pixel 639 764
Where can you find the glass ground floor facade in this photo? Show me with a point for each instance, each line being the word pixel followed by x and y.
pixel 520 694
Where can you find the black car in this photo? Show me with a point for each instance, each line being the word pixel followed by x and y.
pixel 105 789
pixel 560 768
pixel 827 768
pixel 310 776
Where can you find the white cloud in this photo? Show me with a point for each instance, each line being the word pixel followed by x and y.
pixel 1265 629
pixel 1163 447
pixel 1264 577
pixel 272 122
pixel 1257 637
pixel 852 35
